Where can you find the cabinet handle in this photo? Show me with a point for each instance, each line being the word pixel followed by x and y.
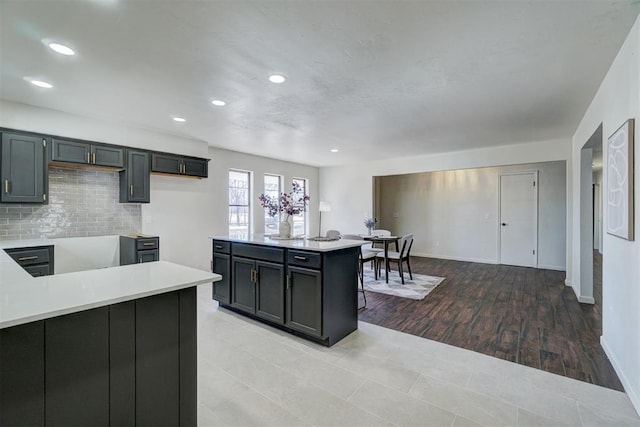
pixel 148 244
pixel 301 258
pixel 6 185
pixel 288 281
pixel 218 246
pixel 253 272
pixel 88 157
pixel 131 189
pixel 94 158
pixel 28 258
pixel 140 260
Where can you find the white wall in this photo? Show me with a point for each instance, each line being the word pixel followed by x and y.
pixel 184 212
pixel 617 100
pixel 349 188
pixel 456 215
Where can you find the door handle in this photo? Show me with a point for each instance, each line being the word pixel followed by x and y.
pixel 504 224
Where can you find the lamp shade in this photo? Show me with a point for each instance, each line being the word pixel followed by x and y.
pixel 324 207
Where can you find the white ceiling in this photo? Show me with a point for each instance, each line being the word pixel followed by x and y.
pixel 372 79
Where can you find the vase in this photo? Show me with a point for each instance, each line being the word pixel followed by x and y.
pixel 369 230
pixel 285 229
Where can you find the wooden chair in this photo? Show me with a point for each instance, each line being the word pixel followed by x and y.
pixel 398 257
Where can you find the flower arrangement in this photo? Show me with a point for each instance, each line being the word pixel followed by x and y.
pixel 292 203
pixel 369 223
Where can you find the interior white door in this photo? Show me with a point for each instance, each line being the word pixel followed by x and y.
pixel 519 219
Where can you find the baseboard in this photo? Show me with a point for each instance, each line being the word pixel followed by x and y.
pixel 454 258
pixel 586 300
pixel 633 396
pixel 552 267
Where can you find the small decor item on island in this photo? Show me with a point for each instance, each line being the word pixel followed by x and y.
pixel 369 223
pixel 292 203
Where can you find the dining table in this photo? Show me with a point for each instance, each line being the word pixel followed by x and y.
pixel 385 241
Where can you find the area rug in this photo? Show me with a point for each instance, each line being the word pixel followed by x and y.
pixel 417 289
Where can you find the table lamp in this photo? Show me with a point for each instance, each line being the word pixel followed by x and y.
pixel 323 207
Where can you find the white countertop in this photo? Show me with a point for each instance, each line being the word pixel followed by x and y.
pixel 303 244
pixel 25 299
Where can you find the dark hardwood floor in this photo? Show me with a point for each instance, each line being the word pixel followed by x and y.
pixel 523 315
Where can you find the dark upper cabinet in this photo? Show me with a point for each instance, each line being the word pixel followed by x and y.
pixel 134 180
pixel 67 151
pixel 23 168
pixel 179 165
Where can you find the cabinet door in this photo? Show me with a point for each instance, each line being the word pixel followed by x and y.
pixel 166 163
pixel 270 291
pixel 134 181
pixel 103 155
pixel 195 167
pixel 23 170
pixel 222 289
pixel 304 300
pixel 70 151
pixel 243 292
pixel 148 256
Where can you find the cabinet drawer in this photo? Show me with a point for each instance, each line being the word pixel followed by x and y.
pixel 221 246
pixel 148 256
pixel 30 256
pixel 147 243
pixel 304 259
pixel 38 270
pixel 258 252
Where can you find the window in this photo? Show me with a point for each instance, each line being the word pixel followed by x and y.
pixel 300 220
pixel 239 196
pixel 272 188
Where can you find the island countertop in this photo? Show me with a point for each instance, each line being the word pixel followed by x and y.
pixel 25 299
pixel 302 244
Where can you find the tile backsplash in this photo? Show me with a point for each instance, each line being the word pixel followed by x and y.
pixel 82 203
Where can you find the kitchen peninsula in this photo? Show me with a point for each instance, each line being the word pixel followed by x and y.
pixel 304 287
pixel 113 346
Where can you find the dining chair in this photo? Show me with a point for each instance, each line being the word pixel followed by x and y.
pixel 364 256
pixel 398 257
pixel 379 232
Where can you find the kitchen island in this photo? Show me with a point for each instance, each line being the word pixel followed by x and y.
pixel 114 346
pixel 304 287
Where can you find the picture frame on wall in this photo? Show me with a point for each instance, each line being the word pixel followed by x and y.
pixel 620 181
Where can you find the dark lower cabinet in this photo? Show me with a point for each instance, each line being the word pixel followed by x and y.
pixel 136 249
pixel 37 261
pixel 222 288
pixel 258 288
pixel 243 289
pixel 132 363
pixel 23 169
pixel 77 369
pixel 304 300
pixel 310 293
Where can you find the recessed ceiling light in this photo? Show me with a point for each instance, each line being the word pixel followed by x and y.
pixel 334 150
pixel 179 119
pixel 61 49
pixel 218 103
pixel 39 83
pixel 277 78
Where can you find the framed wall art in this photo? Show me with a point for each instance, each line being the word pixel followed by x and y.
pixel 620 182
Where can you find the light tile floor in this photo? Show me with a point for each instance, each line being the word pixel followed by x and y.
pixel 250 374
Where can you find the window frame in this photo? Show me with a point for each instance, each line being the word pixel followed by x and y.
pixel 249 219
pixel 304 215
pixel 277 195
